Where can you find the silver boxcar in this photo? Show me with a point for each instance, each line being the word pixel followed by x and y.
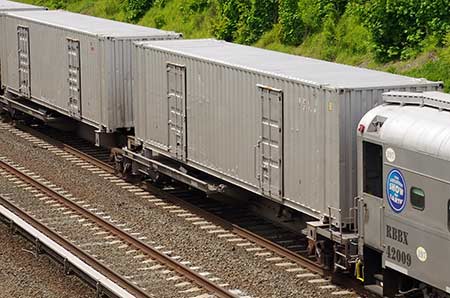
pixel 7 6
pixel 279 125
pixel 409 184
pixel 75 64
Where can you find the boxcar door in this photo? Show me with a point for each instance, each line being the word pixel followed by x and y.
pixel 74 78
pixel 176 96
pixel 23 38
pixel 271 143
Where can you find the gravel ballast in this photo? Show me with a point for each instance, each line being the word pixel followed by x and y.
pixel 94 241
pixel 22 275
pixel 234 265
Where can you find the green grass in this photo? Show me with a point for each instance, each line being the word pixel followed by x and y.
pixel 176 15
pixel 346 41
pixel 110 9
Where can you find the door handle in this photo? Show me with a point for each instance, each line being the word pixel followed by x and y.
pixel 255 159
pixel 382 226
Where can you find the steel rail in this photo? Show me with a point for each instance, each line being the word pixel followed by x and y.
pixel 150 251
pixel 242 232
pixel 338 279
pixel 90 261
pixel 69 149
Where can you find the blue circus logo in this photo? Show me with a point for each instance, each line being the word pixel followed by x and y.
pixel 396 191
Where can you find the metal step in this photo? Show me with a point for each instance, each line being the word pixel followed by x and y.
pixel 340 266
pixel 375 289
pixel 378 277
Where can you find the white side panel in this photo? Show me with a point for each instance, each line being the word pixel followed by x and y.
pixel 50 68
pixel 150 90
pixel 224 127
pixel 106 71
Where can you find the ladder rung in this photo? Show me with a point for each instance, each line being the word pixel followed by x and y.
pixel 340 254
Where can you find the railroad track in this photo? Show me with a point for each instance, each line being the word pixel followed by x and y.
pixel 269 238
pixel 277 239
pixel 98 156
pixel 137 268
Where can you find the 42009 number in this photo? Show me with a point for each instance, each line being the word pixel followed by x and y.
pixel 398 255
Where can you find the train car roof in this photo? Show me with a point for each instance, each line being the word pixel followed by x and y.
pixel 6 5
pixel 414 121
pixel 294 67
pixel 91 25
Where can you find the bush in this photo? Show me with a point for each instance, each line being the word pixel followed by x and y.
pixel 245 21
pixel 398 27
pixel 292 26
pixel 135 9
pixel 195 6
pixel 314 12
pixel 263 15
pixel 53 4
pixel 231 16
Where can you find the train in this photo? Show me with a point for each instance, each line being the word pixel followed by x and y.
pixel 358 157
pixel 82 69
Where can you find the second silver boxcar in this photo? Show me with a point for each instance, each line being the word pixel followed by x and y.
pixel 279 125
pixel 75 64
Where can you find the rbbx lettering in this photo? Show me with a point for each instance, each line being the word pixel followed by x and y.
pixel 397 234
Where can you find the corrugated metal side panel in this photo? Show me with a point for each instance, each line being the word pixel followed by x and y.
pixel 10 75
pixel 122 70
pixel 224 125
pixel 224 118
pixel 107 67
pixel 116 103
pixel 156 81
pixel 49 67
pixel 216 136
pixel 311 146
pixel 139 104
pixel 121 110
pixel 91 74
pixel 106 70
pixel 49 72
pixel 136 64
pixel 127 78
pixel 353 105
pixel 150 104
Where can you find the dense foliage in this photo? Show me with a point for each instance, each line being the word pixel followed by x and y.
pixel 135 9
pixel 263 15
pixel 291 22
pixel 399 27
pixel 362 32
pixel 246 21
pixel 231 18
